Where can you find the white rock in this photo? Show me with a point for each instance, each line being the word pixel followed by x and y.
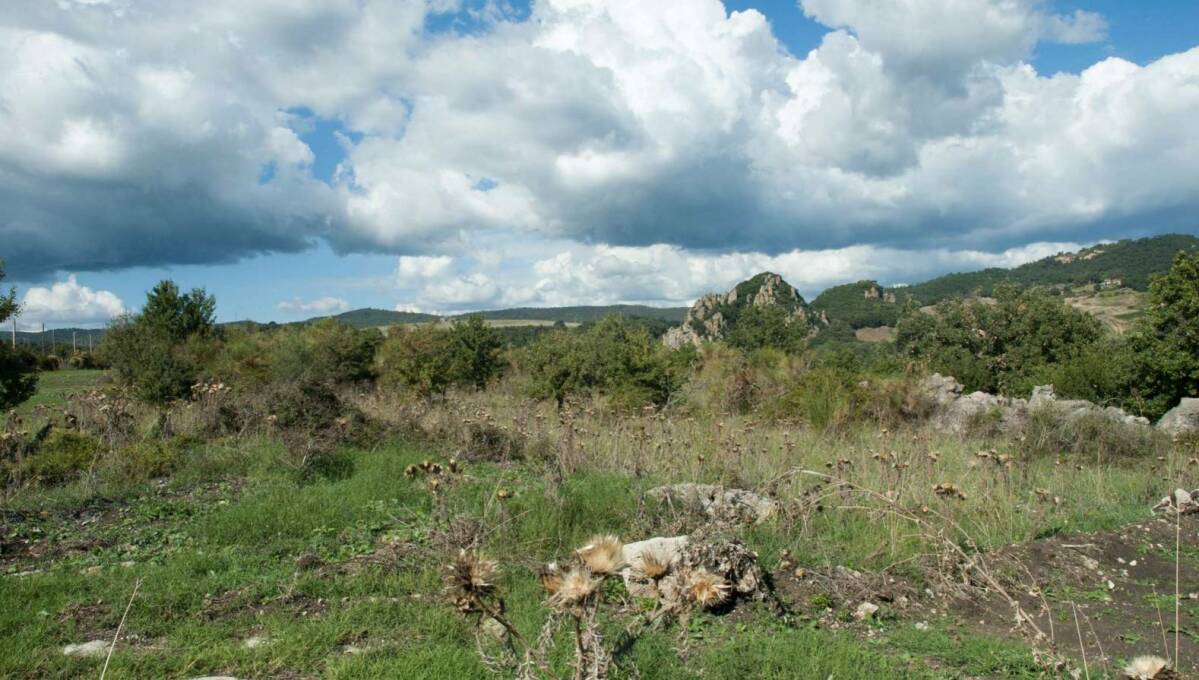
pixel 254 642
pixel 87 649
pixel 866 610
pixel 719 502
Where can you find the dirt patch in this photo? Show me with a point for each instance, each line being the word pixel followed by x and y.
pixel 833 594
pixel 875 334
pixel 1120 584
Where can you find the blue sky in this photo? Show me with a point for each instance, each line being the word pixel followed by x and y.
pixel 335 185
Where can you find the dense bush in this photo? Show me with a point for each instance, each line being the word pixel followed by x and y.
pixel 1007 345
pixel 761 326
pixel 17 379
pixel 61 457
pixel 429 359
pixel 614 358
pixel 159 352
pixel 1166 342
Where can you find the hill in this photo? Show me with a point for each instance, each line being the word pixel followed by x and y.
pixel 1124 265
pixel 715 315
pixel 1129 264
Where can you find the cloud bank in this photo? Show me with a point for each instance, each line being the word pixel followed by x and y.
pixel 172 132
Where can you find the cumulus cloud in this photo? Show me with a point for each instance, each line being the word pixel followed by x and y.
pixel 68 302
pixel 172 132
pixel 323 305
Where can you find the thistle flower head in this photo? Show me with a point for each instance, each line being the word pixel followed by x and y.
pixel 576 585
pixel 653 566
pixel 705 588
pixel 550 576
pixel 472 574
pixel 603 554
pixel 1149 668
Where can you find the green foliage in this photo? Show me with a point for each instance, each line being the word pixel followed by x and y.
pixel 1005 346
pixel 761 326
pixel 156 367
pixel 178 316
pixel 429 359
pixel 159 353
pixel 850 304
pixel 1133 262
pixel 18 381
pixel 613 357
pixel 144 460
pixel 1166 342
pixel 61 457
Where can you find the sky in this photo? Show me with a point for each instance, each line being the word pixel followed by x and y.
pixel 304 157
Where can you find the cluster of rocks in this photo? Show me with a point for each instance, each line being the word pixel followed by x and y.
pixel 957 412
pixel 733 506
pixel 706 320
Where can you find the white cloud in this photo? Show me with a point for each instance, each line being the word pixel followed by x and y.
pixel 416 269
pixel 67 302
pixel 171 132
pixel 561 273
pixel 323 305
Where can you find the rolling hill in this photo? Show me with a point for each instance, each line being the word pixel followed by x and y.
pixel 1124 265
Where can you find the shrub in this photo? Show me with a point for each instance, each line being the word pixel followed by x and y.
pixel 17 381
pixel 761 326
pixel 1166 342
pixel 999 346
pixel 61 457
pixel 145 460
pixel 429 359
pixel 613 357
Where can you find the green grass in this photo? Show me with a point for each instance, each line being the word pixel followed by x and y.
pixel 216 562
pixel 54 386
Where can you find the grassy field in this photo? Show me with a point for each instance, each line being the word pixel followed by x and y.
pixel 54 386
pixel 235 565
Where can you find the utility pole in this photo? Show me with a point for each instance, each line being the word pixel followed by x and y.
pixel 89 342
pixel 74 347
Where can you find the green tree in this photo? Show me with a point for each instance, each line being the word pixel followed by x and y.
pixel 18 381
pixel 476 349
pixel 178 316
pixel 159 352
pixel 1001 345
pixel 1166 342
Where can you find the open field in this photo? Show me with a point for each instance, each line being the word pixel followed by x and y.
pixel 54 386
pixel 241 568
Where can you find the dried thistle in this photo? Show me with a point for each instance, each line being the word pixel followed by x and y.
pixel 654 566
pixel 469 579
pixel 410 471
pixel 550 576
pixel 948 490
pixel 577 585
pixel 604 554
pixel 706 589
pixel 1149 668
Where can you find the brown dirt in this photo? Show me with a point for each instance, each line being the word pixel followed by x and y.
pixel 1116 601
pixel 875 334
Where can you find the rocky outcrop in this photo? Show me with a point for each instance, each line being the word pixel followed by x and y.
pixel 1182 419
pixel 957 412
pixel 736 506
pixel 714 315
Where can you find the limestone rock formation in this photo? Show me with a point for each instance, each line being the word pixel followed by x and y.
pixel 956 411
pixel 1182 419
pixel 714 315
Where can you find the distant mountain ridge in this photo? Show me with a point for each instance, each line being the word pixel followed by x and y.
pixel 1122 264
